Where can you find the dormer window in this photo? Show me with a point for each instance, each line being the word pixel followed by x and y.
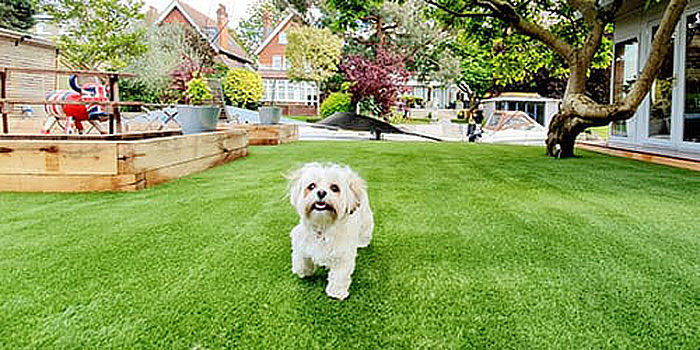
pixel 283 38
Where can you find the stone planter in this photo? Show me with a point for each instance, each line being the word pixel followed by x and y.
pixel 197 119
pixel 270 115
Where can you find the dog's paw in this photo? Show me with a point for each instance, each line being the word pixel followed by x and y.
pixel 303 272
pixel 337 293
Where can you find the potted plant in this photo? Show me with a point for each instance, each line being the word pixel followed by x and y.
pixel 199 114
pixel 270 114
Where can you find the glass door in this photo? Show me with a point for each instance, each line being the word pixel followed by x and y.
pixel 624 75
pixel 691 111
pixel 661 97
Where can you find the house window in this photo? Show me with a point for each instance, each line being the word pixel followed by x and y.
pixel 282 89
pixel 283 38
pixel 269 90
pixel 277 62
pixel 290 91
pixel 624 75
pixel 297 91
pixel 691 113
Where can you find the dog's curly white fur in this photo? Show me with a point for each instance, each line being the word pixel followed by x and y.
pixel 335 220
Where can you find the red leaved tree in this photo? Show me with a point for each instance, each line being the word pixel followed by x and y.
pixel 380 80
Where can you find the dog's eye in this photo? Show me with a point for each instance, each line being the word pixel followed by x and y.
pixel 335 188
pixel 311 187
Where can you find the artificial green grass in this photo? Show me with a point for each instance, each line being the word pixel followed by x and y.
pixel 475 246
pixel 602 131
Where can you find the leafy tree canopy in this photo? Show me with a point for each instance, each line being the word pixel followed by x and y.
pixel 578 33
pixel 99 34
pixel 250 30
pixel 167 47
pixel 16 14
pixel 313 53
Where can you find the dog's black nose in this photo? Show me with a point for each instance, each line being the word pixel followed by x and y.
pixel 321 194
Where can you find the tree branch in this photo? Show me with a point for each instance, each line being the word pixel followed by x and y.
pixel 461 12
pixel 661 44
pixel 505 11
pixel 599 114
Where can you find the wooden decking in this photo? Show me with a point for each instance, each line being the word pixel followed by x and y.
pixel 670 158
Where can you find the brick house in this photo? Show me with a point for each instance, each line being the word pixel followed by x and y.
pixel 295 98
pixel 227 51
pixel 26 51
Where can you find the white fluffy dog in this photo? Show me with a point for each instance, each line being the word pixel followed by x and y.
pixel 335 220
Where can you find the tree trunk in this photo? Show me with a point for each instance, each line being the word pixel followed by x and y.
pixel 573 118
pixel 561 137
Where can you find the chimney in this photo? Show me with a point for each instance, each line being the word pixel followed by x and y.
pixel 222 24
pixel 151 15
pixel 266 25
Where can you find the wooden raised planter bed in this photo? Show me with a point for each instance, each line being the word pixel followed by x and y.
pixel 265 135
pixel 126 162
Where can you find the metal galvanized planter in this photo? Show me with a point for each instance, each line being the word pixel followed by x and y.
pixel 197 119
pixel 270 115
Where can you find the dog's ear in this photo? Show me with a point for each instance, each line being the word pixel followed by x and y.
pixel 293 178
pixel 358 191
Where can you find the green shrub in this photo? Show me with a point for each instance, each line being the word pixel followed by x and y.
pixel 198 91
pixel 411 101
pixel 336 102
pixel 243 87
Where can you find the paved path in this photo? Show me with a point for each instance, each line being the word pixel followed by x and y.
pixel 316 134
pixel 443 131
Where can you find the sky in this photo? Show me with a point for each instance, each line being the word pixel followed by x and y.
pixel 236 8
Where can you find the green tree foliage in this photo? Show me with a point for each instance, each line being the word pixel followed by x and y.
pixel 313 53
pixel 167 47
pixel 243 87
pixel 425 43
pixel 16 14
pixel 404 27
pixel 578 32
pixel 517 62
pixel 99 34
pixel 476 71
pixel 336 102
pixel 349 14
pixel 249 31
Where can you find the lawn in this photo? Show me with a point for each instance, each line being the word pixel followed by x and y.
pixel 602 131
pixel 475 246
